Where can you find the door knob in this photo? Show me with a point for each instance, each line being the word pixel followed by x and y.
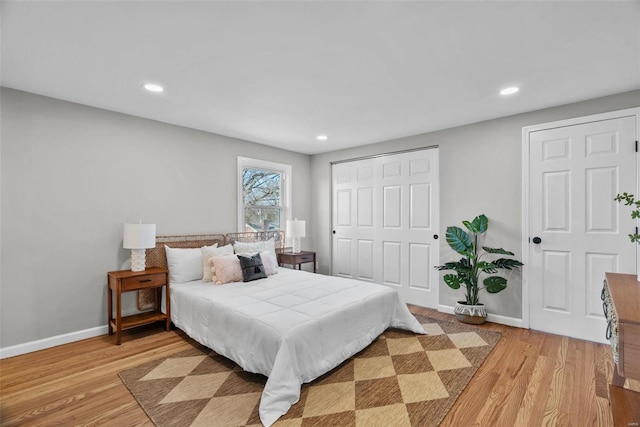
pixel 334 231
pixel 435 236
pixel 537 240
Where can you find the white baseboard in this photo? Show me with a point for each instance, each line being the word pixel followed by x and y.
pixel 495 318
pixel 445 309
pixel 505 320
pixel 28 347
pixel 32 346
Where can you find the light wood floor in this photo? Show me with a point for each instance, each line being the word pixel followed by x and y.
pixel 530 379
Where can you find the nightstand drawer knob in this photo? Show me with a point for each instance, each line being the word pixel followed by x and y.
pixel 145 281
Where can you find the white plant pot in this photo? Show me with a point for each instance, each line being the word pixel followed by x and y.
pixel 471 314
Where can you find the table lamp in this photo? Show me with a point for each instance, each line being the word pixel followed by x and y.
pixel 296 229
pixel 139 237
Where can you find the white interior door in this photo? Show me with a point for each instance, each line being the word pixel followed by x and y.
pixel 385 223
pixel 575 173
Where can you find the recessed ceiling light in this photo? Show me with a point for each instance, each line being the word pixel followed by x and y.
pixel 151 87
pixel 322 137
pixel 509 90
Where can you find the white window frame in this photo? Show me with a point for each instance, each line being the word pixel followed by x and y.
pixel 284 169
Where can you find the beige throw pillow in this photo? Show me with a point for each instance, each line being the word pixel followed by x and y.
pixel 227 269
pixel 212 251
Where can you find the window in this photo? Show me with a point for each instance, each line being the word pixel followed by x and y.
pixel 263 195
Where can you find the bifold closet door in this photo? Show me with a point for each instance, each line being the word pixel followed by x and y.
pixel 386 222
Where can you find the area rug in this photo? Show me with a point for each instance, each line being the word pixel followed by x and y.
pixel 401 379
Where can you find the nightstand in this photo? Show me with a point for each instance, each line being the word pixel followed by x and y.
pixel 126 281
pixel 298 259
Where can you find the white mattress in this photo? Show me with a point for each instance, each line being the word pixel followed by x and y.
pixel 292 327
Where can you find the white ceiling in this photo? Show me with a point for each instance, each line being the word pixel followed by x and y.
pixel 280 73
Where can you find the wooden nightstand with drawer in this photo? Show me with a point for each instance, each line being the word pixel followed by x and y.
pixel 298 258
pixel 126 281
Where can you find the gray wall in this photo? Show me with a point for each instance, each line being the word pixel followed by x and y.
pixel 480 172
pixel 71 175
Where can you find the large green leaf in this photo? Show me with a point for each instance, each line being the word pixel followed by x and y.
pixel 497 251
pixel 451 265
pixel 507 263
pixel 480 224
pixel 461 267
pixel 495 284
pixel 459 240
pixel 487 267
pixel 452 280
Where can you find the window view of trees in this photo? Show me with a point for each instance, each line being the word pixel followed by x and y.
pixel 262 190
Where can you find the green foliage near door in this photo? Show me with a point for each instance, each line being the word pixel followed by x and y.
pixel 629 200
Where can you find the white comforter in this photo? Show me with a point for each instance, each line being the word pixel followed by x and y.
pixel 292 327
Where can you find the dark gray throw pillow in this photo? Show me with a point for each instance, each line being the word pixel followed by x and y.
pixel 252 268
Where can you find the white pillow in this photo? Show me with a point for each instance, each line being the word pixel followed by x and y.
pixel 185 264
pixel 270 262
pixel 215 245
pixel 253 247
pixel 227 269
pixel 211 251
pixel 244 247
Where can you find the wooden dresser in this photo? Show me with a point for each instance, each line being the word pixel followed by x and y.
pixel 621 296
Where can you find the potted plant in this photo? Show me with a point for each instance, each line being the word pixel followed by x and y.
pixel 472 265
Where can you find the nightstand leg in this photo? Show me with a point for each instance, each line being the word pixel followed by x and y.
pixel 109 309
pixel 167 304
pixel 118 317
pixel 159 308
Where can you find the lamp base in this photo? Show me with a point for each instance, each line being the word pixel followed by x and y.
pixel 295 245
pixel 138 257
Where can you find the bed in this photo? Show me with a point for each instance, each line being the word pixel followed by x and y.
pixel 292 326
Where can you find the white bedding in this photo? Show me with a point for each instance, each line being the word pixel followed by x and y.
pixel 292 327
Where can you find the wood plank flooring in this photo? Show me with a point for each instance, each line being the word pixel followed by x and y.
pixel 530 379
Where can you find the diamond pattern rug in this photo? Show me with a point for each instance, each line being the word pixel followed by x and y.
pixel 401 379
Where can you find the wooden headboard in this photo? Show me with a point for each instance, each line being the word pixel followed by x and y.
pixel 156 257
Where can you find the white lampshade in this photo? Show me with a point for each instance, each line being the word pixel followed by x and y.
pixel 296 228
pixel 139 236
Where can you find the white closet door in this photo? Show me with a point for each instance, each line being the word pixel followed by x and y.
pixel 386 221
pixel 575 173
pixel 353 217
